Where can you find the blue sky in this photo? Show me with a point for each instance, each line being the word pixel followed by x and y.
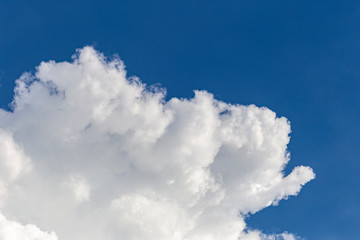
pixel 301 59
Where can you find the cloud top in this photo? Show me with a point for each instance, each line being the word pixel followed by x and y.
pixel 90 153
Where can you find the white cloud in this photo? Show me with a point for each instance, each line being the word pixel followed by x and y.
pixel 14 161
pixel 183 169
pixel 10 230
pixel 79 186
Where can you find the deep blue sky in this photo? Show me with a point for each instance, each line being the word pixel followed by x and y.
pixel 299 58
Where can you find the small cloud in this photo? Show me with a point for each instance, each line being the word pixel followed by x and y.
pixel 79 186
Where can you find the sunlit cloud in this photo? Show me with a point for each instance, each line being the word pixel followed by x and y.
pixel 89 153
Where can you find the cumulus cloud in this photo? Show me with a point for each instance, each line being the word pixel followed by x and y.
pixel 10 230
pixel 89 153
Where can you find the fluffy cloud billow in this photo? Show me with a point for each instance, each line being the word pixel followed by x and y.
pixel 89 153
